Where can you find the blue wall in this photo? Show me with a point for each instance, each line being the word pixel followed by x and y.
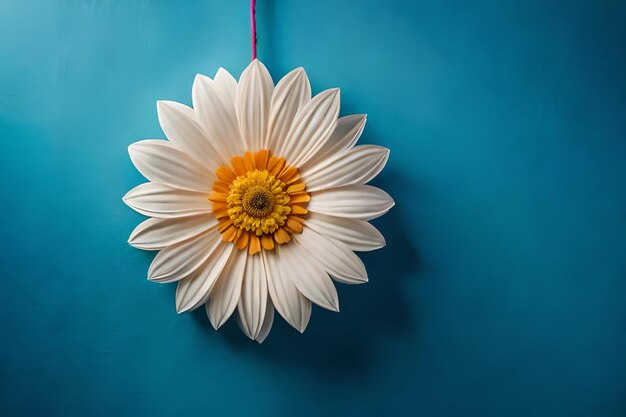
pixel 500 293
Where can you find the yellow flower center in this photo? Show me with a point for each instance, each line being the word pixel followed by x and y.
pixel 259 201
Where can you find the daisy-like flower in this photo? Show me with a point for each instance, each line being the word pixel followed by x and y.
pixel 257 199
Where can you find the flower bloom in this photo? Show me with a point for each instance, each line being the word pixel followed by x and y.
pixel 257 200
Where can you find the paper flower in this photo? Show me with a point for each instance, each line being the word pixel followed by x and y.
pixel 257 199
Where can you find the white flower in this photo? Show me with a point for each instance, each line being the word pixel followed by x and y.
pixel 257 199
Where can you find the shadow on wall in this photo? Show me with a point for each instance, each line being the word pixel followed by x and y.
pixel 340 345
pixel 266 37
pixel 344 344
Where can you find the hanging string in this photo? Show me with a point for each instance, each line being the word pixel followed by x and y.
pixel 253 27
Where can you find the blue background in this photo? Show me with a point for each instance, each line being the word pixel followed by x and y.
pixel 500 293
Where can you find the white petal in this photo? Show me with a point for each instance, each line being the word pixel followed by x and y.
pixel 180 260
pixel 226 83
pixel 160 161
pixel 157 200
pixel 181 128
pixel 240 324
pixel 254 93
pixel 253 300
pixel 312 127
pixel 309 277
pixel 225 294
pixel 268 320
pixel 194 290
pixel 354 166
pixel 154 234
pixel 358 235
pixel 347 132
pixel 290 94
pixel 290 303
pixel 216 114
pixel 334 257
pixel 352 201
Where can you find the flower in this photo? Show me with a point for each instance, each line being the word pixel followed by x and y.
pixel 257 199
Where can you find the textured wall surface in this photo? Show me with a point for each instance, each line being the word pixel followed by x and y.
pixel 500 293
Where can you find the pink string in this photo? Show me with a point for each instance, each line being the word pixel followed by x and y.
pixel 253 27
